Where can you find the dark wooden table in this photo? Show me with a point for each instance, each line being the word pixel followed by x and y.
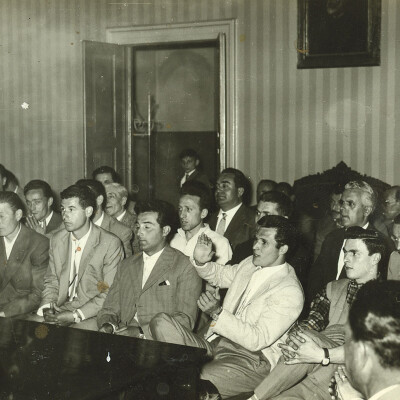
pixel 43 361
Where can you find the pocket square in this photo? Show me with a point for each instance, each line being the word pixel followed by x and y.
pixel 164 283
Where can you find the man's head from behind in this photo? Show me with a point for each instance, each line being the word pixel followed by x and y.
pixel 105 174
pixel 372 348
pixel 78 203
pixel 189 160
pixel 364 254
pixel 230 188
pixel 194 204
pixel 274 237
pixel 39 198
pixel 357 203
pixel 3 177
pixel 98 190
pixel 391 202
pixel 273 203
pixel 156 225
pixel 117 196
pixel 264 186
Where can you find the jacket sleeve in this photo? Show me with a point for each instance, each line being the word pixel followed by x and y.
pixel 277 313
pixel 217 274
pixel 188 290
pixel 39 261
pixel 112 259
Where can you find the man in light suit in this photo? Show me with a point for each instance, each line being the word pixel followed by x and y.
pixel 234 220
pixel 39 200
pixel 372 349
pixel 103 220
pixel 159 279
pixel 24 257
pixel 83 263
pixel 264 299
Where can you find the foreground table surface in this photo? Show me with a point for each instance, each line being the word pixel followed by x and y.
pixel 43 361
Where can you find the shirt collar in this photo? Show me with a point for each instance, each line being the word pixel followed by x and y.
pixel 11 242
pixel 378 395
pixel 121 216
pixel 155 256
pixel 82 241
pixel 100 220
pixel 49 217
pixel 231 212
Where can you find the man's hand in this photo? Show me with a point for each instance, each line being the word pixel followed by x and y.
pixel 209 301
pixel 301 349
pixel 49 314
pixel 106 328
pixel 34 224
pixel 203 252
pixel 340 387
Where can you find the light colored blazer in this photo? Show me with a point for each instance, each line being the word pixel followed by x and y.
pixel 178 298
pixel 101 256
pixel 112 225
pixel 266 315
pixel 21 276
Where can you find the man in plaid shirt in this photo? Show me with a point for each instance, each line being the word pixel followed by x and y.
pixel 316 342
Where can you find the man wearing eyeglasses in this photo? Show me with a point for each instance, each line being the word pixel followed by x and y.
pixel 356 207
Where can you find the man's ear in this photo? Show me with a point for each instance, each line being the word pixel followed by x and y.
pixel 18 214
pixel 166 230
pixel 89 211
pixel 124 200
pixel 204 213
pixel 367 211
pixel 240 191
pixel 197 162
pixel 50 202
pixel 376 257
pixel 283 249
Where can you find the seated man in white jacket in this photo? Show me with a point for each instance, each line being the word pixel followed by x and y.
pixel 263 300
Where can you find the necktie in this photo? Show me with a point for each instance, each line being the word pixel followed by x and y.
pixel 186 177
pixel 221 225
pixel 74 281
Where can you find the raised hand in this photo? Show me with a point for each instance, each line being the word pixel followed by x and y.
pixel 203 252
pixel 34 224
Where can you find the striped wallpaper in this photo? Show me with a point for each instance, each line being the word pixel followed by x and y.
pixel 290 122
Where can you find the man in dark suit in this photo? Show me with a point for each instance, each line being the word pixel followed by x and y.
pixel 159 279
pixel 83 263
pixel 357 203
pixel 39 200
pixel 24 257
pixel 103 220
pixel 190 162
pixel 234 220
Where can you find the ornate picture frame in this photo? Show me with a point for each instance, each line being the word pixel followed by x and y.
pixel 338 33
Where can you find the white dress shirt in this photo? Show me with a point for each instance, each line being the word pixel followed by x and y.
pixel 229 216
pixel 100 220
pixel 378 395
pixel 121 216
pixel 9 244
pixel 223 251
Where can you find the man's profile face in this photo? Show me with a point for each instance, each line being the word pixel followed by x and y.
pixel 38 205
pixel 335 206
pixel 115 203
pixel 104 178
pixel 8 219
pixel 152 237
pixel 357 262
pixel 73 215
pixel 265 252
pixel 396 236
pixel 352 210
pixel 227 194
pixel 266 208
pixel 189 164
pixel 190 214
pixel 391 205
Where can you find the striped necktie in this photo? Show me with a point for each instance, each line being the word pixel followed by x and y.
pixel 221 226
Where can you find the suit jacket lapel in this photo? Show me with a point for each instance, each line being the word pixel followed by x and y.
pixel 236 222
pixel 64 252
pixel 90 247
pixel 163 264
pixel 106 222
pixel 3 258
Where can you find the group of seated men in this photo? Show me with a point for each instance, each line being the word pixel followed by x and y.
pixel 107 265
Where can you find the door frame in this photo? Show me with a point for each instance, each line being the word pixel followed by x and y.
pixel 187 32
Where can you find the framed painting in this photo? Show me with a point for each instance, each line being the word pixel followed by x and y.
pixel 338 33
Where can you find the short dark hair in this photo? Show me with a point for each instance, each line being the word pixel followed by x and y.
pixel 96 187
pixel 269 182
pixel 375 243
pixel 285 187
pixel 284 204
pixel 3 171
pixel 105 169
pixel 374 317
pixel 38 184
pixel 198 189
pixel 397 192
pixel 13 200
pixel 286 233
pixel 189 153
pixel 84 194
pixel 166 214
pixel 238 177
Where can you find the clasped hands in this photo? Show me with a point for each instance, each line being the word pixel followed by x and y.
pixel 55 315
pixel 210 300
pixel 301 348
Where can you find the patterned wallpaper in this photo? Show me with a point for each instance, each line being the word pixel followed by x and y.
pixel 290 122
